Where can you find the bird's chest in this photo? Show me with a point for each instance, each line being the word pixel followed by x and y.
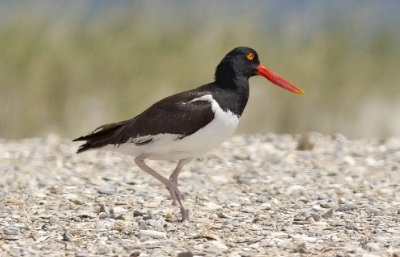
pixel 221 127
pixel 210 136
pixel 215 132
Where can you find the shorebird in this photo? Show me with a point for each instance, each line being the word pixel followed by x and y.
pixel 188 124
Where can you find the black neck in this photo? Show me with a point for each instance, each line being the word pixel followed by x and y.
pixel 233 93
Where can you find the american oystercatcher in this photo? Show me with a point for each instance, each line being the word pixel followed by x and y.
pixel 188 124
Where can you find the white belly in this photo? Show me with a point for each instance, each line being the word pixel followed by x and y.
pixel 169 147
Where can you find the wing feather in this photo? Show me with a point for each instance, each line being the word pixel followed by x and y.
pixel 182 117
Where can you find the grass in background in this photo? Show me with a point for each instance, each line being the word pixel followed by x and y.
pixel 70 75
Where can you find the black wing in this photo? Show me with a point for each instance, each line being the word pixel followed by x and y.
pixel 176 114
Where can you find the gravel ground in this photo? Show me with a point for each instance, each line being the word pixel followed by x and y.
pixel 256 195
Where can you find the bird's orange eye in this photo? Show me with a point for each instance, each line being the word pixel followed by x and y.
pixel 250 56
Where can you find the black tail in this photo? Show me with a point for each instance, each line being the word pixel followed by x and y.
pixel 102 136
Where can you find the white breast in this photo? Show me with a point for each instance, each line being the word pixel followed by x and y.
pixel 168 147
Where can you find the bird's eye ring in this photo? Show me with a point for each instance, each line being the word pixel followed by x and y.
pixel 250 56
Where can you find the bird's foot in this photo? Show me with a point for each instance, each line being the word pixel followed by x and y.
pixel 189 219
pixel 185 215
pixel 177 199
pixel 176 195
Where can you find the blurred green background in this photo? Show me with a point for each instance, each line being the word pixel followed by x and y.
pixel 69 66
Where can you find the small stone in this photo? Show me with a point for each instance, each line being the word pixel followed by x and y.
pixel 351 226
pixel 103 208
pixel 185 254
pixel 53 219
pixel 107 191
pixel 135 254
pixel 152 233
pixel 320 224
pixel 222 215
pixel 119 226
pixel 104 224
pixel 45 227
pixel 53 190
pixel 137 213
pixel 157 252
pixel 119 211
pixel 82 253
pixel 315 216
pixel 346 207
pixel 301 248
pixel 316 207
pixel 325 204
pixel 77 201
pixel 67 236
pixel 169 216
pixel 103 215
pixel 170 228
pixel 393 252
pixel 327 214
pixel 304 143
pixel 219 245
pixel 147 217
pixel 213 206
pixel 370 255
pixel 334 238
pixel 373 247
pixel 156 224
pixel 349 160
pixel 86 215
pixel 75 218
pixel 9 231
pixel 115 216
pixel 295 189
pixel 220 179
pixel 103 248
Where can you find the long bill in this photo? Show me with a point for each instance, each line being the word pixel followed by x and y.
pixel 278 80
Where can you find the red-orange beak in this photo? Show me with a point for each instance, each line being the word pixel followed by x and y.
pixel 278 80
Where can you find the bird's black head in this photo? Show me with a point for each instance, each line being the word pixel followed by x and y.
pixel 240 63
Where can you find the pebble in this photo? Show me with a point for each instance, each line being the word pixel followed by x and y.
pixel 156 224
pixel 67 236
pixel 351 226
pixel 320 224
pixel 119 226
pixel 153 234
pixel 185 254
pixel 106 224
pixel 107 191
pixel 346 207
pixel 213 206
pixel 219 245
pixel 103 215
pixel 82 253
pixel 10 231
pixel 349 160
pixel 372 247
pixel 295 189
pixel 327 214
pixel 253 195
pixel 135 254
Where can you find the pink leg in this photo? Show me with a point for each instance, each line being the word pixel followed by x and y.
pixel 174 177
pixel 171 184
